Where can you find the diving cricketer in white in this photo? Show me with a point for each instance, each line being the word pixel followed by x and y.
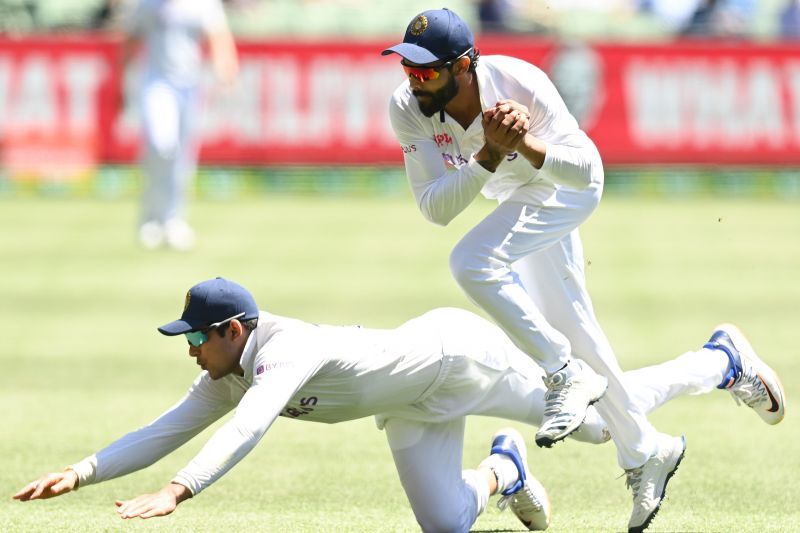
pixel 419 380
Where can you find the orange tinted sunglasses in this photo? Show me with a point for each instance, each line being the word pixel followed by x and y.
pixel 424 74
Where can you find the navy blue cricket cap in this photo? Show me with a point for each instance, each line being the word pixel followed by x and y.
pixel 210 302
pixel 435 35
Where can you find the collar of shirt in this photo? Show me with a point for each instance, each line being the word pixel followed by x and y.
pixel 249 352
pixel 486 87
pixel 268 325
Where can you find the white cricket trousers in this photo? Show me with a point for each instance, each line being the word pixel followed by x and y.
pixel 523 265
pixel 169 151
pixel 428 460
pixel 483 373
pixel 428 453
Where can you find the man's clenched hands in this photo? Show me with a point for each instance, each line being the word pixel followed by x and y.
pixel 504 128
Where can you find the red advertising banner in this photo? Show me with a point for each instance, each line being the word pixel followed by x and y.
pixel 64 104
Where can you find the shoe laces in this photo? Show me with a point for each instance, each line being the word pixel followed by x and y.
pixel 749 389
pixel 633 481
pixel 523 500
pixel 633 478
pixel 558 388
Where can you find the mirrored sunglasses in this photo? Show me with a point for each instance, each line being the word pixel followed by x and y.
pixel 200 337
pixel 424 74
pixel 196 338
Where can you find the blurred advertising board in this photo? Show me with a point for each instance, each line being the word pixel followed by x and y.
pixel 54 105
pixel 65 105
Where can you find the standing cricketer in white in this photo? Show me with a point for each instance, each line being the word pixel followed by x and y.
pixel 173 33
pixel 419 380
pixel 496 125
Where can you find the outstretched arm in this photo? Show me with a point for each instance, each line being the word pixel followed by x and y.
pixel 258 409
pixel 205 403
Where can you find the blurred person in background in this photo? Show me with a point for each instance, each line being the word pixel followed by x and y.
pixel 172 34
pixel 494 15
pixel 790 20
pixel 673 14
pixel 106 15
pixel 721 18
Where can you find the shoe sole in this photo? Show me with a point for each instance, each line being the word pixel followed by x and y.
pixel 547 442
pixel 650 518
pixel 743 345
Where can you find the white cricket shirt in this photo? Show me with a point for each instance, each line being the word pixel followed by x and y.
pixel 310 372
pixel 173 32
pixel 441 169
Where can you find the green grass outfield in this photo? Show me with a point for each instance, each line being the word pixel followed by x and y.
pixel 82 362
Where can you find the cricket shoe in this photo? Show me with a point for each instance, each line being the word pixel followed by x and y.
pixel 526 496
pixel 179 235
pixel 749 379
pixel 649 481
pixel 151 235
pixel 570 391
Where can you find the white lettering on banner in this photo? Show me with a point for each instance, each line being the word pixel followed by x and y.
pixel 82 78
pixel 764 112
pixel 5 85
pixel 284 101
pixel 29 100
pixel 235 113
pixel 793 77
pixel 710 120
pixel 34 107
pixel 350 98
pixel 327 112
pixel 280 92
pixel 700 104
pixel 653 99
pixel 127 121
pixel 380 82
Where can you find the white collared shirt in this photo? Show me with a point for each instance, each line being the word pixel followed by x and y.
pixel 308 372
pixel 439 156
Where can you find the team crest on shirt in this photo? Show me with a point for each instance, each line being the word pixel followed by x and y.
pixel 186 302
pixel 419 25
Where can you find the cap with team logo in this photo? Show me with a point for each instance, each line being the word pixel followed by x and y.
pixel 210 302
pixel 435 35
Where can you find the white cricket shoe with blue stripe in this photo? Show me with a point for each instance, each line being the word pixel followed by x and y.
pixel 526 496
pixel 749 379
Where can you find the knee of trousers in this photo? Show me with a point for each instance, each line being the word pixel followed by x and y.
pixel 470 265
pixel 163 151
